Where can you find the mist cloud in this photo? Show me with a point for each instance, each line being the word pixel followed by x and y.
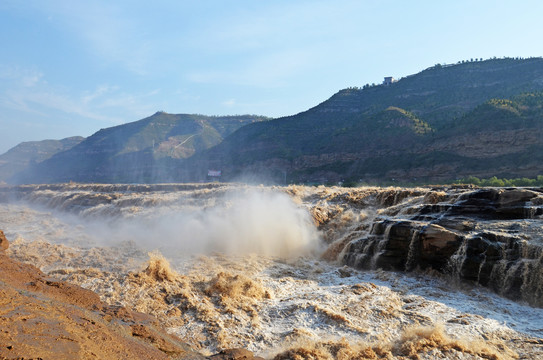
pixel 244 222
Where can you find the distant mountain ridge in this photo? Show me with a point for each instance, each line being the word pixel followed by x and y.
pixel 140 151
pixel 28 153
pixel 480 118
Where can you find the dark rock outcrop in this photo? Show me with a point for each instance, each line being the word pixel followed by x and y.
pixel 480 235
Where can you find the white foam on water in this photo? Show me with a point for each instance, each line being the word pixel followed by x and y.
pixel 269 241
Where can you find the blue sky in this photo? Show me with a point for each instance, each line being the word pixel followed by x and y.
pixel 72 67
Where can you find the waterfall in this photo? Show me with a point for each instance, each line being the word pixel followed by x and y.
pixel 491 237
pixel 414 250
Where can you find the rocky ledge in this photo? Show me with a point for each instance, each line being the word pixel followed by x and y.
pixel 492 237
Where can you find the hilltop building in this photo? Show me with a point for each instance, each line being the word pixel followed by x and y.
pixel 214 175
pixel 388 80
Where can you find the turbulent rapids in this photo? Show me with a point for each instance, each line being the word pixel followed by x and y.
pixel 301 272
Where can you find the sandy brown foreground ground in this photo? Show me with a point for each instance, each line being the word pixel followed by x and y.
pixel 44 318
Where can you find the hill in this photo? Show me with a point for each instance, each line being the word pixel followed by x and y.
pixel 140 151
pixel 477 118
pixel 431 126
pixel 29 153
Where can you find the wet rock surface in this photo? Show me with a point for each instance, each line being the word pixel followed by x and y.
pixel 487 236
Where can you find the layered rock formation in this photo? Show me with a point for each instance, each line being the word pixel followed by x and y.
pixel 487 236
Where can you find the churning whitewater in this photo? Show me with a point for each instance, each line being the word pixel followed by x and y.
pixel 300 272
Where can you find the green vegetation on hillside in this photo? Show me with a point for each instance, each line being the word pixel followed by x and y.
pixel 419 127
pixel 521 111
